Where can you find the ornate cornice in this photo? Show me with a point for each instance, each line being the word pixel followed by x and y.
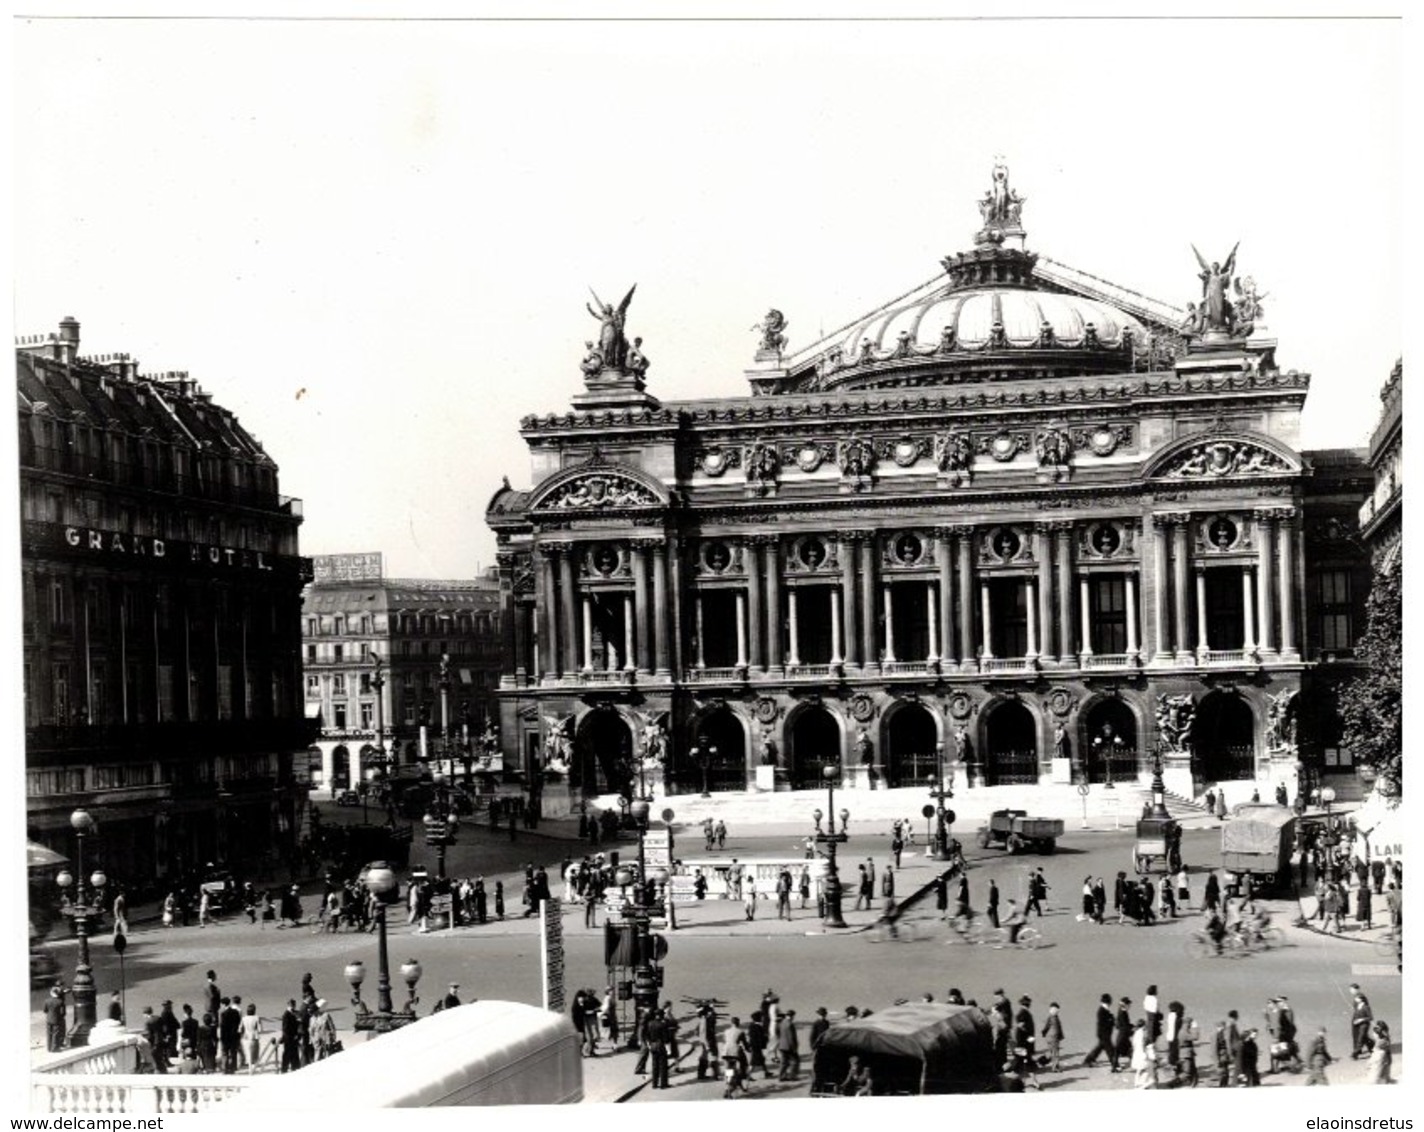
pixel 793 409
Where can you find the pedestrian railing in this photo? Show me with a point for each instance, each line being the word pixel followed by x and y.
pixel 141 1093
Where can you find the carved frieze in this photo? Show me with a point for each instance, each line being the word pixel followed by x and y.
pixel 856 457
pixel 715 461
pixel 904 450
pixel 1225 458
pixel 1103 440
pixel 808 455
pixel 954 456
pixel 1223 533
pixel 761 463
pixel 1003 445
pixel 600 490
pixel 1003 545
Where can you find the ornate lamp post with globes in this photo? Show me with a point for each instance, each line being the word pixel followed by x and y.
pixel 80 911
pixel 381 883
pixel 941 787
pixel 830 838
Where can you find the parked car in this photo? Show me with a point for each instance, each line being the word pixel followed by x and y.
pixel 348 798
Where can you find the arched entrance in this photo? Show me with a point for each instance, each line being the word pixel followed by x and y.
pixel 1224 738
pixel 908 741
pixel 1108 744
pixel 340 768
pixel 603 753
pixel 814 736
pixel 1010 746
pixel 719 761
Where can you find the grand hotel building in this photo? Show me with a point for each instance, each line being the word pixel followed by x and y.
pixel 1021 512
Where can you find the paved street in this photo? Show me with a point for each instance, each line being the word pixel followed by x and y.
pixel 717 952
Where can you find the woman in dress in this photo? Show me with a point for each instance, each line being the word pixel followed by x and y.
pixel 1381 1057
pixel 250 1031
pixel 1087 899
pixel 170 906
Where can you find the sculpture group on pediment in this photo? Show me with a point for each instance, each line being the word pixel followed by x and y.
pixel 954 453
pixel 1175 715
pixel 601 490
pixel 773 337
pixel 1226 458
pixel 612 342
pixel 1054 447
pixel 761 463
pixel 856 457
pixel 1280 720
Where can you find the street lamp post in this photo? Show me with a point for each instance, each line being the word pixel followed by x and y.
pixel 1332 839
pixel 445 705
pixel 941 787
pixel 378 682
pixel 381 883
pixel 437 821
pixel 1159 788
pixel 830 838
pixel 80 911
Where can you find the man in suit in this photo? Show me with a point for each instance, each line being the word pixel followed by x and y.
pixel 1103 1030
pixel 788 1047
pixel 993 905
pixel 153 1031
pixel 229 1033
pixel 56 1015
pixel 291 1030
pixel 1360 1018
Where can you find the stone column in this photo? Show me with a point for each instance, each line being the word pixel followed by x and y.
pixel 588 633
pixel 888 600
pixel 568 626
pixel 1085 601
pixel 1248 610
pixel 1042 553
pixel 772 553
pixel 1031 606
pixel 987 653
pixel 1179 584
pixel 660 610
pixel 848 541
pixel 741 629
pixel 946 595
pixel 837 657
pixel 1132 647
pixel 701 640
pixel 1265 560
pixel 1203 644
pixel 964 549
pixel 1285 586
pixel 793 656
pixel 628 632
pixel 1067 648
pixel 642 651
pixel 1159 587
pixel 751 551
pixel 549 613
pixel 932 621
pixel 868 636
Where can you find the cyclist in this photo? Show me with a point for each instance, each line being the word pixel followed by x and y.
pixel 1014 922
pixel 1215 927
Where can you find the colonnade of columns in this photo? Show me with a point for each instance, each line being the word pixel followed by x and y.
pixel 959 606
pixel 1268 602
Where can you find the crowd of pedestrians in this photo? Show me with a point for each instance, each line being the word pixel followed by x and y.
pixel 225 1036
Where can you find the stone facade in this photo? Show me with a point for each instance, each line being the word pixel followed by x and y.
pixel 161 587
pixel 1019 514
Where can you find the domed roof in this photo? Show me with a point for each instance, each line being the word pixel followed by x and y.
pixel 1028 318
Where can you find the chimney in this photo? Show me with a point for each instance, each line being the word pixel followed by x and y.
pixel 68 349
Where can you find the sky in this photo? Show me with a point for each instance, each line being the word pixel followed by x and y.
pixel 374 240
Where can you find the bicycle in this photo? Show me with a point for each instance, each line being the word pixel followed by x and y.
pixel 895 931
pixel 1029 938
pixel 1200 945
pixel 971 929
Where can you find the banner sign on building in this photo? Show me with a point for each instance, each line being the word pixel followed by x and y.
pixel 329 568
pixel 551 951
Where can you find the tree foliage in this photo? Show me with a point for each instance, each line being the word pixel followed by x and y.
pixel 1372 705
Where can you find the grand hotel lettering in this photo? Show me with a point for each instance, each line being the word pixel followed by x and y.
pixel 171 553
